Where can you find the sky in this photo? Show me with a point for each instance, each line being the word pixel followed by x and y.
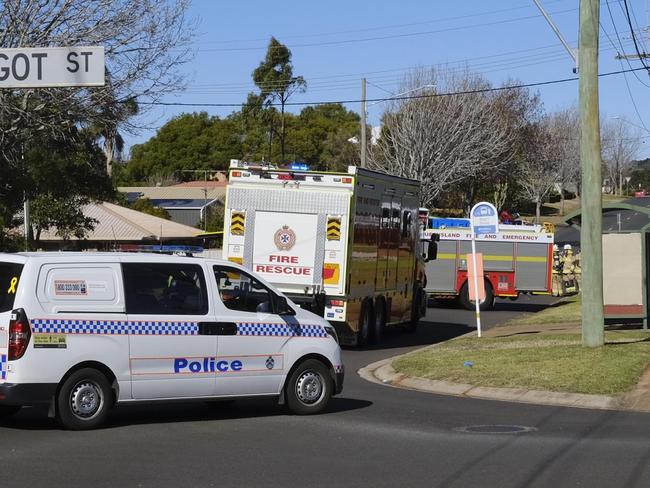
pixel 335 43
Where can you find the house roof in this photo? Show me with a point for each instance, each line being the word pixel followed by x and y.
pixel 202 184
pixel 173 193
pixel 117 223
pixel 187 203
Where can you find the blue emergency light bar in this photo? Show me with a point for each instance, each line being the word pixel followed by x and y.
pixel 161 248
pixel 450 223
pixel 296 166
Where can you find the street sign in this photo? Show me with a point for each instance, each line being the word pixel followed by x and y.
pixel 484 219
pixel 50 67
pixel 475 276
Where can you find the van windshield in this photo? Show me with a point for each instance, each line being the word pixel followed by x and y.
pixel 9 276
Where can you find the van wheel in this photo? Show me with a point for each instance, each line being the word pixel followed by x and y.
pixel 363 334
pixel 486 304
pixel 309 388
pixel 416 308
pixel 9 410
pixel 379 323
pixel 84 400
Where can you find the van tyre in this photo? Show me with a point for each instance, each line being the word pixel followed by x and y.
pixel 486 304
pixel 84 400
pixel 365 320
pixel 309 388
pixel 8 410
pixel 379 322
pixel 416 308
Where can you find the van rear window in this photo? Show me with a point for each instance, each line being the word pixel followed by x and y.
pixel 9 277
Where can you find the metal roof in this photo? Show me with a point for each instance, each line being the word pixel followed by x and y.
pixel 187 203
pixel 117 223
pixel 174 192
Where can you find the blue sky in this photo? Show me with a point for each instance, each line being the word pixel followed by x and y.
pixel 336 43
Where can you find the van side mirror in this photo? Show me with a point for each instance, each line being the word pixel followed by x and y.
pixel 282 306
pixel 432 251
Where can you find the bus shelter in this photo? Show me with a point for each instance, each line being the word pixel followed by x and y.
pixel 626 259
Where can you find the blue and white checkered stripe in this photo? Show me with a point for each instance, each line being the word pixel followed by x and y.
pixel 280 330
pixel 3 367
pixel 113 327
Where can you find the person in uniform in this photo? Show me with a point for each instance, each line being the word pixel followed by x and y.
pixel 556 282
pixel 568 276
pixel 577 270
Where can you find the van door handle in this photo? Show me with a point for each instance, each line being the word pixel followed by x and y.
pixel 217 328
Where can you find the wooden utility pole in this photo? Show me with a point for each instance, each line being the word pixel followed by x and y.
pixel 363 122
pixel 591 195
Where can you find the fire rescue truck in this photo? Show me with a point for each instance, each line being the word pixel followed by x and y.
pixel 517 259
pixel 344 245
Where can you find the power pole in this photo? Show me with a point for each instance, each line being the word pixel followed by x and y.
pixel 363 122
pixel 590 161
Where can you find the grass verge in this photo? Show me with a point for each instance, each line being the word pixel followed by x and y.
pixel 552 362
pixel 564 312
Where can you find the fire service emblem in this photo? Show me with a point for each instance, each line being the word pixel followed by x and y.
pixel 284 238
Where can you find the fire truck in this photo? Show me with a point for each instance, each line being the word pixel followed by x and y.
pixel 517 259
pixel 343 245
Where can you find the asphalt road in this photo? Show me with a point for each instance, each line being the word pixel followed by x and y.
pixel 371 436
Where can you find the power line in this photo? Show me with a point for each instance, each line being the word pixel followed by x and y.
pixel 385 99
pixel 370 29
pixel 611 16
pixel 394 36
pixel 636 46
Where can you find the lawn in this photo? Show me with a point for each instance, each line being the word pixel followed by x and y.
pixel 549 362
pixel 565 312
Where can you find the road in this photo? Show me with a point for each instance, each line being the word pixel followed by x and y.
pixel 371 436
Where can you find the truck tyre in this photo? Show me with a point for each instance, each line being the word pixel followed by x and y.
pixel 486 304
pixel 84 400
pixel 309 388
pixel 380 321
pixel 8 410
pixel 365 319
pixel 416 309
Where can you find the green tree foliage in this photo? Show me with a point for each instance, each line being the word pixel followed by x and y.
pixel 61 176
pixel 276 82
pixel 189 141
pixel 145 205
pixel 318 135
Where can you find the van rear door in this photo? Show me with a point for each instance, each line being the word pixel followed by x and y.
pixel 9 278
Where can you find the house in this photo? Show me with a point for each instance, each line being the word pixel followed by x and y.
pixel 118 225
pixel 186 203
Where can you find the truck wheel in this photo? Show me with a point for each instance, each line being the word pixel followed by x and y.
pixel 486 304
pixel 416 308
pixel 84 400
pixel 309 388
pixel 363 334
pixel 379 323
pixel 8 410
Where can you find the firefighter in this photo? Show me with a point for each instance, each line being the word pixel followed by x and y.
pixel 556 282
pixel 577 270
pixel 568 276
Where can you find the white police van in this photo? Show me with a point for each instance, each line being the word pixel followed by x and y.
pixel 83 331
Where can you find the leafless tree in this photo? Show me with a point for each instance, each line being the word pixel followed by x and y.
pixel 564 129
pixel 539 163
pixel 621 142
pixel 442 139
pixel 145 41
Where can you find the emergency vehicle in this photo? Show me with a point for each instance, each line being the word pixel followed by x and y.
pixel 517 259
pixel 344 245
pixel 81 332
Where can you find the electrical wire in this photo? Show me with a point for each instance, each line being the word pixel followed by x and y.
pixel 636 46
pixel 385 99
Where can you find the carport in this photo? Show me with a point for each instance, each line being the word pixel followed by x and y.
pixel 626 259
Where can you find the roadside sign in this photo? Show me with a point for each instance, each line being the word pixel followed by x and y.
pixel 484 218
pixel 51 67
pixel 475 271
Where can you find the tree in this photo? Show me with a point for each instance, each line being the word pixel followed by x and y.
pixel 565 129
pixel 274 77
pixel 145 205
pixel 540 162
pixel 621 142
pixel 145 44
pixel 442 139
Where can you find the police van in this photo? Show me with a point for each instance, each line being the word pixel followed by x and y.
pixel 81 332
